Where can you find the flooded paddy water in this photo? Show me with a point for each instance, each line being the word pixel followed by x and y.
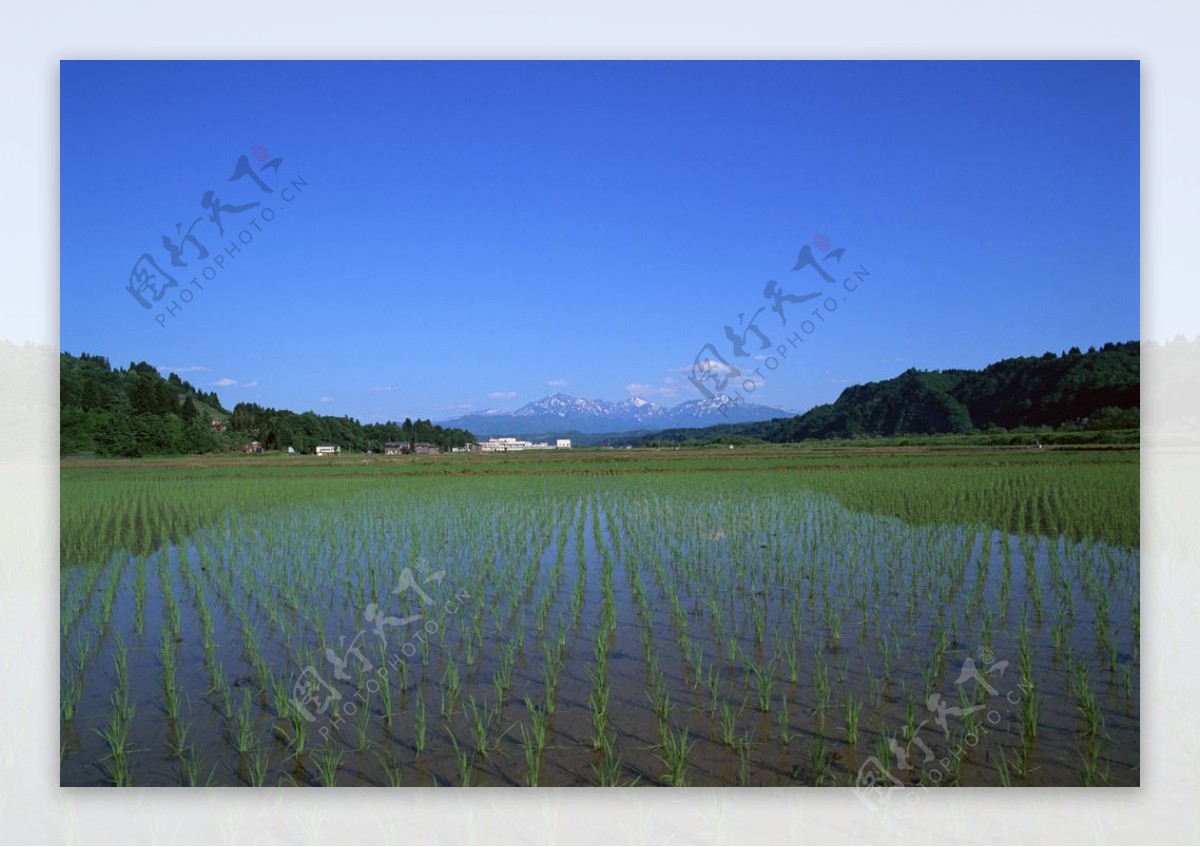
pixel 626 630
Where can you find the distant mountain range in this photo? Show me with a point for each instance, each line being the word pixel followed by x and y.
pixel 561 413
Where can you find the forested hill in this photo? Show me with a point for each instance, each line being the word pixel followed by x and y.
pixel 135 411
pixel 1100 386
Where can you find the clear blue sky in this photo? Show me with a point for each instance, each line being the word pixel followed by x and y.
pixel 477 235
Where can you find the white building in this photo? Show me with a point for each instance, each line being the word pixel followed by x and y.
pixel 562 444
pixel 327 449
pixel 511 445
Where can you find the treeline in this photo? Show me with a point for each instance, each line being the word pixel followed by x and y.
pixel 131 411
pixel 1074 390
pixel 135 411
pixel 278 429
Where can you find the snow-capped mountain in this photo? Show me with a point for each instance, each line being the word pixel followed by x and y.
pixel 564 413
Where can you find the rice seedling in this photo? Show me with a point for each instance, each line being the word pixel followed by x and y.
pixel 598 702
pixel 675 751
pixel 822 761
pixel 480 721
pixel 361 722
pixel 1090 773
pixel 764 679
pixel 462 759
pixel 392 765
pixel 70 691
pixel 532 744
pixel 608 774
pixel 294 730
pixel 743 747
pixel 243 740
pixel 728 726
pixel 793 659
pixel 192 765
pixel 1031 710
pixel 326 760
pixel 257 766
pixel 139 594
pixel 821 684
pixel 1003 770
pixel 852 710
pixel 1086 703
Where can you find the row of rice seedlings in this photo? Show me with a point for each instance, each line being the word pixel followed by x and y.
pixel 116 733
pixel 533 741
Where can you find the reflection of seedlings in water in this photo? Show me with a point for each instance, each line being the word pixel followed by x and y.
pixel 463 759
pixel 1090 773
pixel 608 773
pixel 392 764
pixel 1002 768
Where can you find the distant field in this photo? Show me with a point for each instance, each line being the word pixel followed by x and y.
pixel 1084 493
pixel 761 615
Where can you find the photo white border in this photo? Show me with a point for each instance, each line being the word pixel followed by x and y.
pixel 34 809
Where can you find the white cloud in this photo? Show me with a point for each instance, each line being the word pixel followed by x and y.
pixel 704 366
pixel 324 399
pixel 379 389
pixel 251 384
pixel 223 382
pixel 184 370
pixel 502 395
pixel 645 389
pixel 558 383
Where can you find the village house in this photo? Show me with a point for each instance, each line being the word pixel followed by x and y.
pixel 252 447
pixel 327 449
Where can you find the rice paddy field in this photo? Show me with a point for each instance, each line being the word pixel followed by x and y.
pixel 757 617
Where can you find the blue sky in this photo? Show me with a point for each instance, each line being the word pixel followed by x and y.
pixel 465 236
